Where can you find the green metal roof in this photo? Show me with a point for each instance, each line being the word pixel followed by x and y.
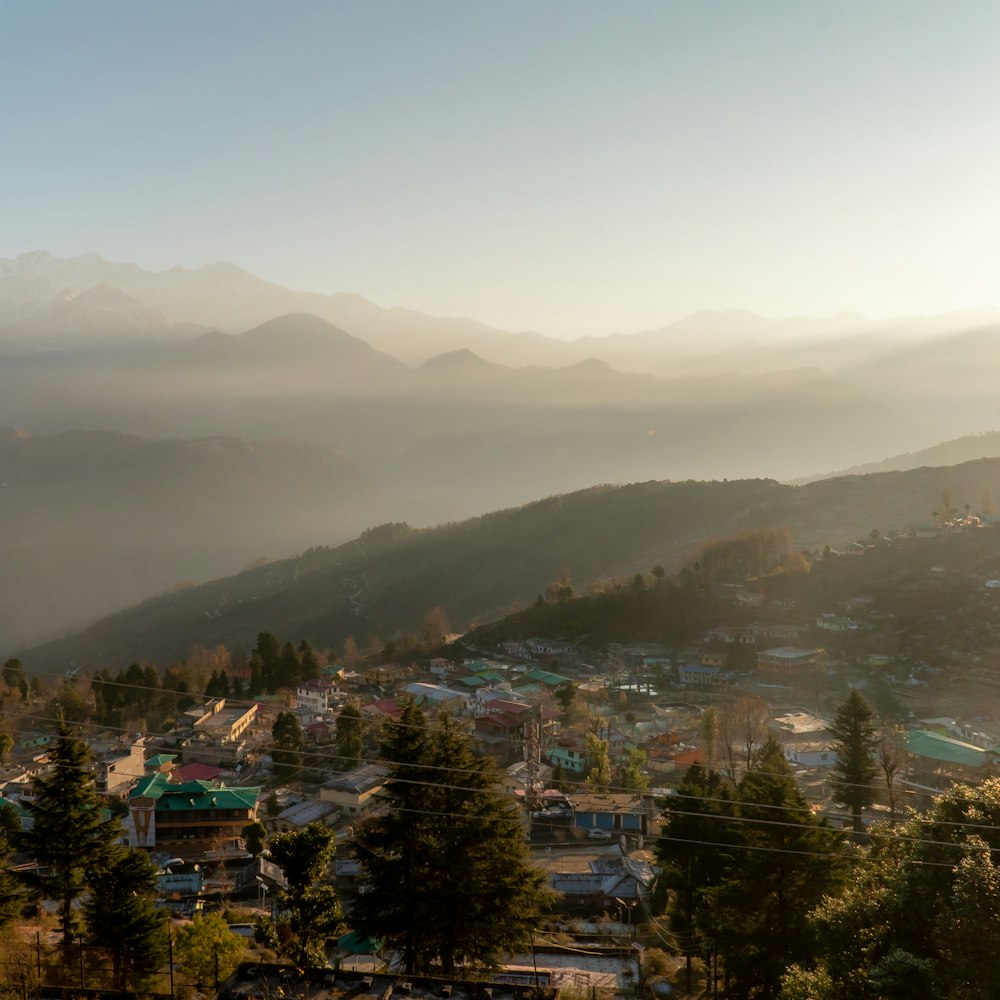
pixel 473 682
pixel 190 795
pixel 528 689
pixel 160 759
pixel 492 676
pixel 934 746
pixel 547 677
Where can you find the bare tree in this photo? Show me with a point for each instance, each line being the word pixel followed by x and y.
pixel 742 732
pixel 891 757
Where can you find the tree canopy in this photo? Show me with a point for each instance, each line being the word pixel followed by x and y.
pixel 744 864
pixel 72 836
pixel 446 876
pixel 855 740
pixel 309 906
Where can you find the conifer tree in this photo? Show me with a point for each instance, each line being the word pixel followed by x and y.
pixel 72 836
pixel 349 734
pixel 855 740
pixel 11 892
pixel 288 743
pixel 121 915
pixel 446 876
pixel 784 862
pixel 689 857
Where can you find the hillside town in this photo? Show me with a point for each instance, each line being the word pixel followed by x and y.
pixel 589 744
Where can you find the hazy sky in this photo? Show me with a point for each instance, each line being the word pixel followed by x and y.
pixel 571 167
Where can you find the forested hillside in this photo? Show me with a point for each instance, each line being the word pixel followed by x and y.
pixel 384 583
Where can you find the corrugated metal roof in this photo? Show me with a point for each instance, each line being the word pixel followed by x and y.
pixel 933 746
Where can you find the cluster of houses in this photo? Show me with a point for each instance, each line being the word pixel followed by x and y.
pixel 533 705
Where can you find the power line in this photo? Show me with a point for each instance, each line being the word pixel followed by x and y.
pixel 363 720
pixel 751 821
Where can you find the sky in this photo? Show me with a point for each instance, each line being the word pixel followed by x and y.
pixel 569 167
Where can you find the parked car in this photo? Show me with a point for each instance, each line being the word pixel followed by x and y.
pixel 596 834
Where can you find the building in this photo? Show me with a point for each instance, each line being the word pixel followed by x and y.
pixel 937 761
pixel 788 660
pixel 215 733
pixel 820 754
pixel 570 755
pixel 434 696
pixel 190 817
pixel 354 791
pixel 314 697
pixel 697 675
pixel 298 816
pixel 119 766
pixel 615 812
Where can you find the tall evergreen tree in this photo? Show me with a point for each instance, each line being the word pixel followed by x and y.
pixel 689 856
pixel 446 876
pixel 121 915
pixel 349 734
pixel 599 777
pixel 291 667
pixel 288 743
pixel 745 865
pixel 784 862
pixel 72 835
pixel 855 741
pixel 268 652
pixel 11 891
pixel 310 668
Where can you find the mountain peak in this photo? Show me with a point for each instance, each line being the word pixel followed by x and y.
pixel 463 359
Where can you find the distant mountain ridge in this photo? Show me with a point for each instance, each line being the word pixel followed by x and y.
pixel 385 581
pixel 224 296
pixel 968 448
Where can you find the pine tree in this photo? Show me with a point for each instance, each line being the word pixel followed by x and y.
pixel 291 667
pixel 288 743
pixel 72 836
pixel 121 915
pixel 689 856
pixel 349 734
pixel 855 740
pixel 445 811
pixel 311 668
pixel 784 862
pixel 11 892
pixel 268 652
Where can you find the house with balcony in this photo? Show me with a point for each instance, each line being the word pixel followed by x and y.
pixel 188 818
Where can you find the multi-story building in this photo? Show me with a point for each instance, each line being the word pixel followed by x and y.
pixel 788 660
pixel 119 766
pixel 190 817
pixel 215 733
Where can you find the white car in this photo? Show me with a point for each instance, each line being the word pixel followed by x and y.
pixel 596 834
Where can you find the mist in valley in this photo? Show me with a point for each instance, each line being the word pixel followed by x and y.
pixel 245 313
